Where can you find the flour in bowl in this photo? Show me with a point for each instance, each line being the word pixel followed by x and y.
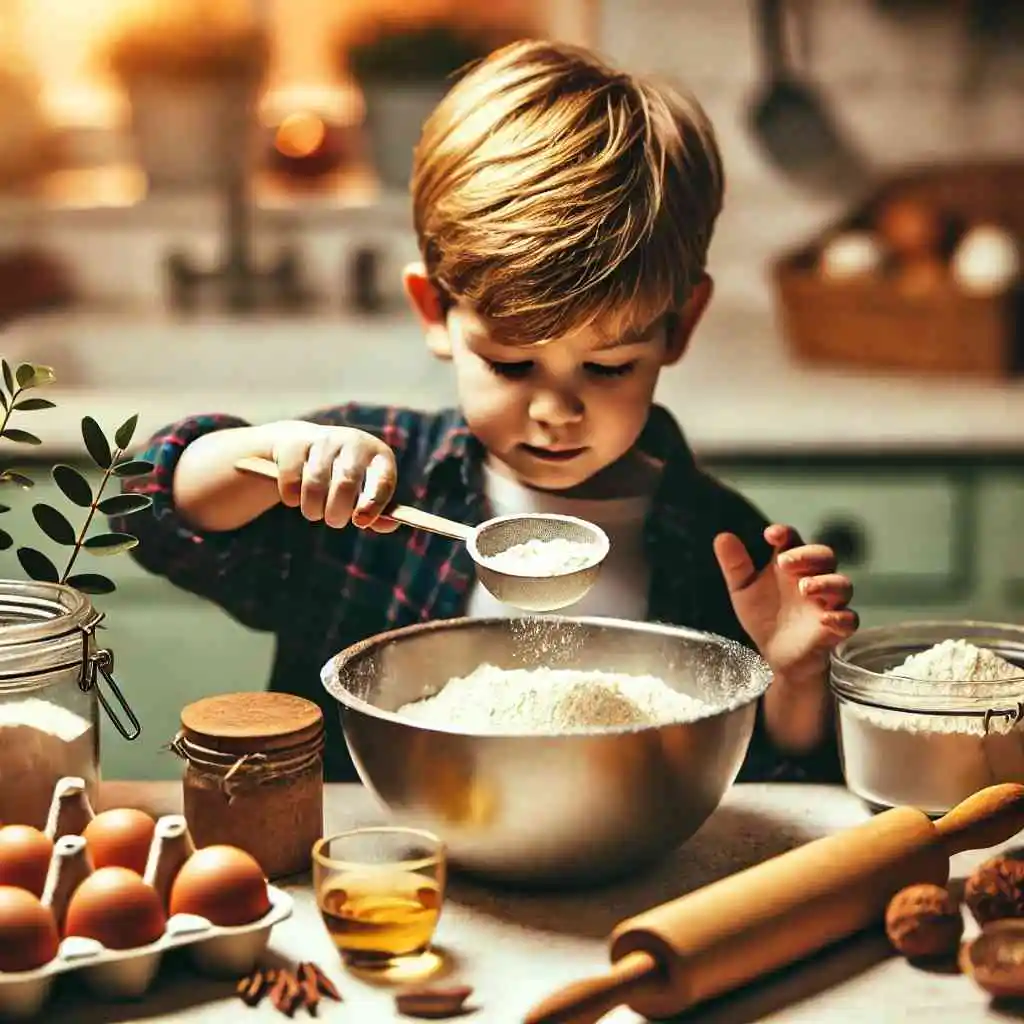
pixel 549 700
pixel 536 557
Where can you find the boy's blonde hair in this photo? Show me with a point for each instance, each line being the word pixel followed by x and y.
pixel 551 191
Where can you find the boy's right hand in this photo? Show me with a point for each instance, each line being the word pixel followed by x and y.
pixel 335 474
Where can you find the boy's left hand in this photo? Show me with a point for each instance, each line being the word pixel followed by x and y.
pixel 795 609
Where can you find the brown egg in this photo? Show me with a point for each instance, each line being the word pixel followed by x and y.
pixel 25 854
pixel 120 838
pixel 921 276
pixel 28 932
pixel 116 907
pixel 223 884
pixel 910 228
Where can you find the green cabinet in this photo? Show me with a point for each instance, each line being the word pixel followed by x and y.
pixel 169 646
pixel 920 538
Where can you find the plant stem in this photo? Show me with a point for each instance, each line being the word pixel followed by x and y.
pixel 80 539
pixel 9 409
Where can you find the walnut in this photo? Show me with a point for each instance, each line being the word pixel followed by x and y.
pixel 923 922
pixel 995 891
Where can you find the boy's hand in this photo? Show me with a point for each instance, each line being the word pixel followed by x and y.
pixel 337 474
pixel 795 609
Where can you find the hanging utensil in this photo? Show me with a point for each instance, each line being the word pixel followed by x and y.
pixel 793 123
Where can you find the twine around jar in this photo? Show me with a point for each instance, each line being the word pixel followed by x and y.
pixel 256 768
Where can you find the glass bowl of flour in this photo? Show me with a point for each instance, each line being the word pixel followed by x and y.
pixel 930 712
pixel 550 750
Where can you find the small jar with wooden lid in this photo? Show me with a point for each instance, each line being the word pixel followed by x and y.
pixel 254 774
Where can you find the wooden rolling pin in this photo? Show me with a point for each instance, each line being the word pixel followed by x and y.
pixel 722 936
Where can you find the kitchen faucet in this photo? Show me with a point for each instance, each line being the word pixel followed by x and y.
pixel 239 285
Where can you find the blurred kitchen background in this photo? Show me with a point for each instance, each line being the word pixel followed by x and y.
pixel 203 207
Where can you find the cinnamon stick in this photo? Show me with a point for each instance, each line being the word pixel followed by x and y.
pixel 306 976
pixel 324 984
pixel 252 988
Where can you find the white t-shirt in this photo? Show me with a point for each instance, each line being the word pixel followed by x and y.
pixel 622 586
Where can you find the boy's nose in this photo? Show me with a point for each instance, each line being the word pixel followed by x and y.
pixel 556 408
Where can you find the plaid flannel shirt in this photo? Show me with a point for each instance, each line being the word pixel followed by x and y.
pixel 320 590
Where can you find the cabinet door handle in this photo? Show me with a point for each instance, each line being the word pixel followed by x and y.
pixel 846 537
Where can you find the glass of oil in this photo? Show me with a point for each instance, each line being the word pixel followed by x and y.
pixel 379 891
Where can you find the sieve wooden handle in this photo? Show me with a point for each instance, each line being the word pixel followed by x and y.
pixel 405 514
pixel 723 936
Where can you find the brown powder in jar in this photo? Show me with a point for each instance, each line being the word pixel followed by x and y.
pixel 254 776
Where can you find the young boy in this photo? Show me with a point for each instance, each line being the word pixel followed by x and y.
pixel 563 212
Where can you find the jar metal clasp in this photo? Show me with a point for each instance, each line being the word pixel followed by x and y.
pixel 1012 715
pixel 101 663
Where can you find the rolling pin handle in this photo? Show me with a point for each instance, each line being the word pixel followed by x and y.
pixel 991 816
pixel 587 1001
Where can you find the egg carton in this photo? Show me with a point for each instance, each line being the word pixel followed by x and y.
pixel 120 974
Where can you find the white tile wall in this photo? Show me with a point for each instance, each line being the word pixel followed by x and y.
pixel 893 74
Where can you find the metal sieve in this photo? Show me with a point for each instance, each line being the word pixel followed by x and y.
pixel 528 592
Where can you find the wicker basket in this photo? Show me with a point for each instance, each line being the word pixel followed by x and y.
pixel 873 323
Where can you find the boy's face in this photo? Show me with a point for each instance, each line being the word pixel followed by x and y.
pixel 554 415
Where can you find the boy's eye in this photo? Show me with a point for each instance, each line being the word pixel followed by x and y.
pixel 600 370
pixel 511 371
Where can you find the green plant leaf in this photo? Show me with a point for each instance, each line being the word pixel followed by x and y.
pixel 11 476
pixel 91 583
pixel 133 467
pixel 124 433
pixel 8 376
pixel 124 504
pixel 54 524
pixel 32 404
pixel 32 375
pixel 3 399
pixel 96 443
pixel 73 485
pixel 110 543
pixel 42 375
pixel 6 540
pixel 38 566
pixel 4 508
pixel 20 436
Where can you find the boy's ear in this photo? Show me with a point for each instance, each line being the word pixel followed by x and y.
pixel 686 322
pixel 426 304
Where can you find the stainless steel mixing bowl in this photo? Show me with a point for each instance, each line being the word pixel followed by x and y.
pixel 548 809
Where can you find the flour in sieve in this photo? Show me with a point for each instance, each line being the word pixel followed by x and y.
pixel 547 700
pixel 536 557
pixel 933 761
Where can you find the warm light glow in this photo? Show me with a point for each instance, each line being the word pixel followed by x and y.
pixel 60 38
pixel 300 135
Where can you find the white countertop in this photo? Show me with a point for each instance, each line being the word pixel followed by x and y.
pixel 737 392
pixel 516 949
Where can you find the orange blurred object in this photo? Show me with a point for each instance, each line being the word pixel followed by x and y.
pixel 911 229
pixel 305 145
